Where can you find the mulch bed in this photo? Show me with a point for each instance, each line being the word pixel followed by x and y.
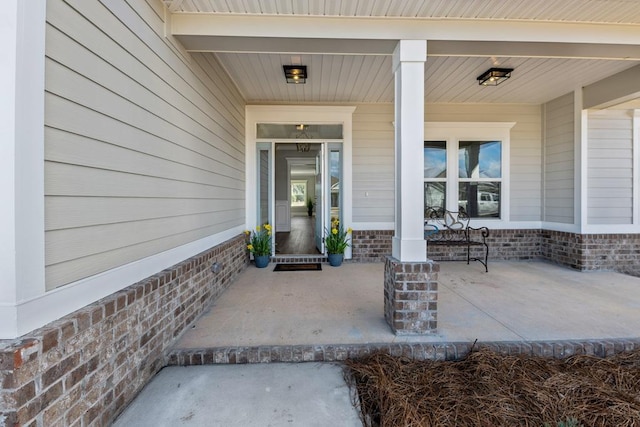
pixel 491 389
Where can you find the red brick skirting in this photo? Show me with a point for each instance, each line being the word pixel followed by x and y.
pixel 614 252
pixel 86 367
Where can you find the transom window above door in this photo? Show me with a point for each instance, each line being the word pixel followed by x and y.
pixel 299 131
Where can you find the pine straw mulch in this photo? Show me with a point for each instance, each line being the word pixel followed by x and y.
pixel 491 389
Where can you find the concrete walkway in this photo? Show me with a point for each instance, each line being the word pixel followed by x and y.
pixel 301 394
pixel 514 302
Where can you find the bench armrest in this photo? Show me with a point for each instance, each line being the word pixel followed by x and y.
pixel 484 232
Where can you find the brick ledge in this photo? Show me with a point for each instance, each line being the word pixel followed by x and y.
pixel 420 351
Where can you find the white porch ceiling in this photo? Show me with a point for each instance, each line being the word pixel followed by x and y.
pixel 600 11
pixel 341 78
pixel 359 70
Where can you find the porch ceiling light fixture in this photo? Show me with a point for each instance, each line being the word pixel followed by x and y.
pixel 494 76
pixel 303 147
pixel 295 74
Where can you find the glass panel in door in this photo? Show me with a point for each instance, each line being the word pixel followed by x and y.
pixel 335 180
pixel 263 205
pixel 320 206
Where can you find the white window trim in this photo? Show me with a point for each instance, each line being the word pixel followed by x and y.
pixel 452 133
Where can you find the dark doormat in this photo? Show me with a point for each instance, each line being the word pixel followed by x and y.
pixel 309 266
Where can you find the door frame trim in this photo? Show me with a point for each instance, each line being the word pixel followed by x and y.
pixel 295 114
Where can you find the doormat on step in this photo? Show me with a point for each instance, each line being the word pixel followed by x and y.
pixel 308 266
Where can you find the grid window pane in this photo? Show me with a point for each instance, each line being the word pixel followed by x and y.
pixel 480 159
pixel 435 159
pixel 479 199
pixel 435 194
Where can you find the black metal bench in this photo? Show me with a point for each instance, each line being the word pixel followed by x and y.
pixel 447 228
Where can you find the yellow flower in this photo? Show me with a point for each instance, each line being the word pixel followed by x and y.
pixel 247 232
pixel 334 231
pixel 349 230
pixel 250 247
pixel 267 227
pixel 268 233
pixel 258 228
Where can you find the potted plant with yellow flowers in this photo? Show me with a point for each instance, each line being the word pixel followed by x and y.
pixel 336 241
pixel 259 244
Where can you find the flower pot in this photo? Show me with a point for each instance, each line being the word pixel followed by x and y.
pixel 262 260
pixel 335 260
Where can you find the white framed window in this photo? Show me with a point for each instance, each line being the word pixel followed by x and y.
pixel 298 193
pixel 466 168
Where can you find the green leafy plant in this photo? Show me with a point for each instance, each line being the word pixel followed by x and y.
pixel 337 238
pixel 259 241
pixel 310 205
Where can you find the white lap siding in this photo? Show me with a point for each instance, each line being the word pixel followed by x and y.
pixel 559 160
pixel 144 143
pixel 373 163
pixel 610 167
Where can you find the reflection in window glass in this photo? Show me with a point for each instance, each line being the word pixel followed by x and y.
pixel 479 199
pixel 435 194
pixel 435 174
pixel 435 159
pixel 480 159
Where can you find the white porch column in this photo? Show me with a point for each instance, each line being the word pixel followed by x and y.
pixel 408 243
pixel 22 30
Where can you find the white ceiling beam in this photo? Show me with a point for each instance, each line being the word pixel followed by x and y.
pixel 535 50
pixel 385 47
pixel 200 43
pixel 206 24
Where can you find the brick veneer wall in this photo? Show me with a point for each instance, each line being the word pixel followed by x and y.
pixel 371 245
pixel 616 252
pixel 83 369
pixel 514 245
pixel 411 296
pixel 562 248
pixel 375 246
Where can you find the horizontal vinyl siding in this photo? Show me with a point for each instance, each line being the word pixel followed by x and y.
pixel 144 143
pixel 610 167
pixel 373 163
pixel 373 155
pixel 559 160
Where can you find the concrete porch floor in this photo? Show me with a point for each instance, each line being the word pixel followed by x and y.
pixel 335 313
pixel 514 301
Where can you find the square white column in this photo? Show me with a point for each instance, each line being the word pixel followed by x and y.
pixel 408 244
pixel 22 30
